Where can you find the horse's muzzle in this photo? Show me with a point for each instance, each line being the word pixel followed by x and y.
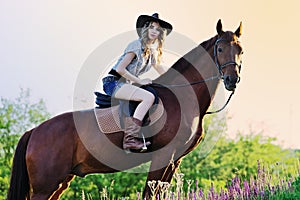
pixel 231 82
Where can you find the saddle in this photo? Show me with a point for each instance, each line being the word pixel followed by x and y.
pixel 110 111
pixel 110 120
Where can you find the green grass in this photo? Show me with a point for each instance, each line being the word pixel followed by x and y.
pixel 265 185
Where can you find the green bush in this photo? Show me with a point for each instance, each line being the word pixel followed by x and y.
pixel 16 116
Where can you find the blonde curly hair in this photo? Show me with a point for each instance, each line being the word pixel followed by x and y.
pixel 161 38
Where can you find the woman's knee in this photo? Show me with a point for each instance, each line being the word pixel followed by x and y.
pixel 149 97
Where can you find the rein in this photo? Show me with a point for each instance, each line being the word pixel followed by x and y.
pixel 187 84
pixel 197 82
pixel 220 76
pixel 216 111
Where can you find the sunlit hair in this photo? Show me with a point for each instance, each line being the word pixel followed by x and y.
pixel 160 40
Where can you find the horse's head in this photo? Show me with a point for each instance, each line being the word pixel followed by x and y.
pixel 227 55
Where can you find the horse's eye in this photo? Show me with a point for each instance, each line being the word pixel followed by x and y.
pixel 220 49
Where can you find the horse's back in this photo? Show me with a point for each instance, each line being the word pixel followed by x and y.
pixel 56 131
pixel 51 143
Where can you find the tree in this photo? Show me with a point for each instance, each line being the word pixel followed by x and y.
pixel 16 116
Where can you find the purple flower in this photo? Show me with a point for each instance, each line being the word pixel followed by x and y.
pixel 195 195
pixel 255 190
pixel 226 196
pixel 173 196
pixel 212 191
pixel 200 193
pixel 258 168
pixel 262 193
pixel 231 192
pixel 289 184
pixel 222 195
pixel 246 189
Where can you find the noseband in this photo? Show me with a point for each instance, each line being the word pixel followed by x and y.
pixel 221 67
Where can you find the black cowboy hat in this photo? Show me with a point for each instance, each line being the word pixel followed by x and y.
pixel 143 19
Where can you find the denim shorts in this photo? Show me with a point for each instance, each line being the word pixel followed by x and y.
pixel 111 84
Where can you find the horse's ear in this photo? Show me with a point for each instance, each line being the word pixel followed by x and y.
pixel 238 31
pixel 220 27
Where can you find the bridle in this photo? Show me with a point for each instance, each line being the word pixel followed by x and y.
pixel 221 67
pixel 220 76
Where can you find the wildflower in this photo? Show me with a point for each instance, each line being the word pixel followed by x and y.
pixel 200 193
pixel 189 182
pixel 246 189
pixel 152 186
pixel 289 184
pixel 179 181
pixel 212 191
pixel 194 195
pixel 231 192
pixel 262 194
pixel 172 196
pixel 163 188
pixel 222 194
pixel 258 168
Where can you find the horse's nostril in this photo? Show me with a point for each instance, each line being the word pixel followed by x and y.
pixel 231 80
pixel 227 79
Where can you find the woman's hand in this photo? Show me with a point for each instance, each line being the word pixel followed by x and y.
pixel 121 69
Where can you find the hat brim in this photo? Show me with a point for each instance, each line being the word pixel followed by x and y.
pixel 142 19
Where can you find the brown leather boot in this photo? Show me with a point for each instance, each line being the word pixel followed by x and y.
pixel 131 133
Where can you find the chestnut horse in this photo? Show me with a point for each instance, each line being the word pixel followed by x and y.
pixel 50 155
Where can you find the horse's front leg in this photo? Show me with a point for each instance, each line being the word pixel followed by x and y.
pixel 162 169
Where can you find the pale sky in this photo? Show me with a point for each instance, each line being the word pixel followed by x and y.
pixel 45 43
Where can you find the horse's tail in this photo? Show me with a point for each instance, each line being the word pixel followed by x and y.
pixel 19 181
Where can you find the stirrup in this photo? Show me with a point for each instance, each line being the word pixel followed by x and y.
pixel 144 148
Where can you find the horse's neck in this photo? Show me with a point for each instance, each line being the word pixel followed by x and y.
pixel 196 66
pixel 200 60
pixel 209 70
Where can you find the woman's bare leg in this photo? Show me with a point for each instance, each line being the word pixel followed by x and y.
pixel 131 92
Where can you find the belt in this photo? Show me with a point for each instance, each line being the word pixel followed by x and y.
pixel 114 73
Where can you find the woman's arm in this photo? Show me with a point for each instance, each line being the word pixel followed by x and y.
pixel 121 69
pixel 159 69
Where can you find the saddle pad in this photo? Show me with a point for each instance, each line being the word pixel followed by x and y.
pixel 108 119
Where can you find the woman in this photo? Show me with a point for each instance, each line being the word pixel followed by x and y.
pixel 139 56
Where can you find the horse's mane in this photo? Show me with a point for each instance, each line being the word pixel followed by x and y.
pixel 181 64
pixel 208 43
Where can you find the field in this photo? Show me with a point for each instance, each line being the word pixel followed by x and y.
pixel 247 167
